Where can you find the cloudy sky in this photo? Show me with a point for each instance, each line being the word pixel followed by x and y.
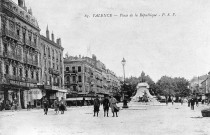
pixel 163 45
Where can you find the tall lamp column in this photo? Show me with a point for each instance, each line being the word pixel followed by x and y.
pixel 124 99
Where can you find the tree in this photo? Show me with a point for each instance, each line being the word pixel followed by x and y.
pixel 177 86
pixel 182 89
pixel 166 86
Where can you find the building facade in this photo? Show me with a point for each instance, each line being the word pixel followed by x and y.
pixel 84 75
pixel 52 67
pixel 205 88
pixel 19 53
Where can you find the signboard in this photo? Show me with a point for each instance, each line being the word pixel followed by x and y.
pixel 24 84
pixel 35 93
pixel 48 87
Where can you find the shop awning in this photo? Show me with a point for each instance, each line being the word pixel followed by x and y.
pixel 59 89
pixel 78 98
pixel 35 93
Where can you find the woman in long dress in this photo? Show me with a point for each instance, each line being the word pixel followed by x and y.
pixel 113 106
pixel 56 105
pixel 62 105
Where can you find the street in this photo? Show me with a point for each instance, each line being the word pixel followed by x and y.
pixel 137 119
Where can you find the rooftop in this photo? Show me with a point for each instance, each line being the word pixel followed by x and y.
pixel 21 12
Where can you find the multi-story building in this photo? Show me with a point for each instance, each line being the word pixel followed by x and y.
pixel 85 75
pixel 19 53
pixel 205 88
pixel 52 66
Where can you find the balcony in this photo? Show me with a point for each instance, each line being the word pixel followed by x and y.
pixel 30 44
pixel 108 80
pixel 15 78
pixel 31 80
pixel 10 34
pixel 53 71
pixel 67 83
pixel 72 72
pixel 55 84
pixel 30 62
pixel 12 56
pixel 73 83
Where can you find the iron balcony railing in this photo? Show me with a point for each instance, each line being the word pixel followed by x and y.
pixel 10 34
pixel 11 55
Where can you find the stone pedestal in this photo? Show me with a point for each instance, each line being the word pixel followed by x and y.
pixel 125 105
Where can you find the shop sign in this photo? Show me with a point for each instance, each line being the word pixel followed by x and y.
pixel 35 93
pixel 55 87
pixel 48 87
pixel 14 82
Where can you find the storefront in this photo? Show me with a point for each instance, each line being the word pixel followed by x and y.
pixel 53 91
pixel 33 97
pixel 12 90
pixel 9 93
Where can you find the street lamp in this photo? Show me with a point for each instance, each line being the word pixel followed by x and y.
pixel 124 100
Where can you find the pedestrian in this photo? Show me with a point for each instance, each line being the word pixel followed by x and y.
pixel 196 100
pixel 203 101
pixel 166 100
pixel 189 102
pixel 56 105
pixel 113 106
pixel 62 105
pixel 83 101
pixel 45 105
pixel 28 106
pixel 182 100
pixel 1 105
pixel 14 104
pixel 172 101
pixel 106 105
pixel 192 102
pixel 96 105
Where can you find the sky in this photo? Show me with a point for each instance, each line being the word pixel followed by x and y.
pixel 176 46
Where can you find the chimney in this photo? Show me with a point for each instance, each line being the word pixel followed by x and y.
pixel 24 6
pixel 30 11
pixel 52 36
pixel 94 57
pixel 47 33
pixel 59 41
pixel 20 3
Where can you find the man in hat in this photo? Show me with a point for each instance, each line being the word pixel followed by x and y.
pixel 106 105
pixel 96 105
pixel 45 105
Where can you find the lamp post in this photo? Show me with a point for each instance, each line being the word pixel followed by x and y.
pixel 124 100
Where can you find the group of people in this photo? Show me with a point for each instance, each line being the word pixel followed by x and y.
pixel 9 105
pixel 58 105
pixel 107 102
pixel 191 102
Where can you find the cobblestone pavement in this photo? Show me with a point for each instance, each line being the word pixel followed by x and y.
pixel 137 119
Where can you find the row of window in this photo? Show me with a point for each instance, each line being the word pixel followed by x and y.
pixel 74 69
pixel 55 81
pixel 19 72
pixel 74 79
pixel 54 53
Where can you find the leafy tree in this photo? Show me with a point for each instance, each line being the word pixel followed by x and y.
pixel 166 86
pixel 173 86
